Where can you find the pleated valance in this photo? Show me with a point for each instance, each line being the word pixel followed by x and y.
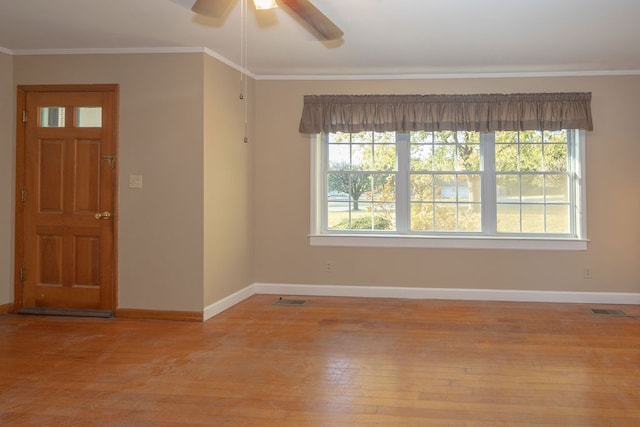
pixel 482 113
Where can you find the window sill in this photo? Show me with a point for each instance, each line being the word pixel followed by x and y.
pixel 448 242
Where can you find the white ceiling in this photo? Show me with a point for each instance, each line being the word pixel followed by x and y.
pixel 382 37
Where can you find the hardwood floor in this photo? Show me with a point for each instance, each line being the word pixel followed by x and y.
pixel 331 362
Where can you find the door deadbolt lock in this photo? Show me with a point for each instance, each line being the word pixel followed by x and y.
pixel 103 215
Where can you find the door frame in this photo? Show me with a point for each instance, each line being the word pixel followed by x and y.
pixel 20 167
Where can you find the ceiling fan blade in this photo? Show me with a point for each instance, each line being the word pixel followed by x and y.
pixel 212 8
pixel 325 28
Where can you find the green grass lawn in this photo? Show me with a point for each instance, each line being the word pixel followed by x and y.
pixel 510 220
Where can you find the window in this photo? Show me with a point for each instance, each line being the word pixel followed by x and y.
pixel 471 171
pixel 512 189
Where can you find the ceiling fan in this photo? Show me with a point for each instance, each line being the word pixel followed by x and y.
pixel 324 28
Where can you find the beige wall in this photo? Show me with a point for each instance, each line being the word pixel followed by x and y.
pixel 7 102
pixel 283 253
pixel 228 184
pixel 161 225
pixel 216 215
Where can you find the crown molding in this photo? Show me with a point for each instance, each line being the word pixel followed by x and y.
pixel 399 76
pixel 230 63
pixel 447 76
pixel 107 51
pixel 133 50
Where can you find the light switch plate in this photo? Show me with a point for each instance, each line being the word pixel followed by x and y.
pixel 135 181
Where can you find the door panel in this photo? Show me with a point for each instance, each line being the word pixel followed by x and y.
pixel 69 177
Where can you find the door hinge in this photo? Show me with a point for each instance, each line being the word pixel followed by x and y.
pixel 23 195
pixel 111 160
pixel 24 116
pixel 22 274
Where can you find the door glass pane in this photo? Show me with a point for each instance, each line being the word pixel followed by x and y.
pixel 89 117
pixel 52 117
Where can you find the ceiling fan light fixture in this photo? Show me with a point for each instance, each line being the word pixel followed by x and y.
pixel 211 8
pixel 265 4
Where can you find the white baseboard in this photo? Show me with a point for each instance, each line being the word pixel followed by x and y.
pixel 448 293
pixel 420 293
pixel 227 302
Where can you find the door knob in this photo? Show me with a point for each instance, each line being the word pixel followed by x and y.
pixel 103 215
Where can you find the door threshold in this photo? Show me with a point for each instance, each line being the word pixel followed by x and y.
pixel 74 312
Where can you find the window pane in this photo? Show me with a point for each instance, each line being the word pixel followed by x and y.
pixel 506 157
pixel 506 136
pixel 468 157
pixel 558 219
pixel 557 189
pixel 354 185
pixel 445 187
pixel 362 208
pixel 361 157
pixel 508 188
pixel 443 137
pixel 421 187
pixel 469 218
pixel 421 157
pixel 422 216
pixel 350 197
pixel 339 158
pixel 530 157
pixel 445 218
pixel 339 138
pixel 362 137
pixel 384 188
pixel 369 217
pixel 338 215
pixel 384 137
pixel 555 135
pixel 469 136
pixel 444 157
pixel 52 117
pixel 384 216
pixel 469 189
pixel 384 157
pixel 532 190
pixel 89 117
pixel 555 157
pixel 530 136
pixel 508 216
pixel 532 218
pixel 421 137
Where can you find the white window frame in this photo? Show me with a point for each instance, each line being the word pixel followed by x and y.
pixel 396 239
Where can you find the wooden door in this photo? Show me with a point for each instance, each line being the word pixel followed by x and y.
pixel 66 218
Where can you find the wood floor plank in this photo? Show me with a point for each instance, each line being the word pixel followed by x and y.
pixel 331 362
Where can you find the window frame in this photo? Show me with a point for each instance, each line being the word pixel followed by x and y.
pixel 320 236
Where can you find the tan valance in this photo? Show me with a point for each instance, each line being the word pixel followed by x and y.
pixel 483 113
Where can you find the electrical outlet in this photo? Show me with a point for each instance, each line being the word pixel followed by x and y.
pixel 328 267
pixel 587 272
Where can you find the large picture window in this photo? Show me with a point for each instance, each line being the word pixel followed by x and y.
pixel 504 185
pixel 494 170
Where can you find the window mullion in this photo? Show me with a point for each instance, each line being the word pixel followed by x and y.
pixel 576 173
pixel 319 162
pixel 489 203
pixel 402 183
